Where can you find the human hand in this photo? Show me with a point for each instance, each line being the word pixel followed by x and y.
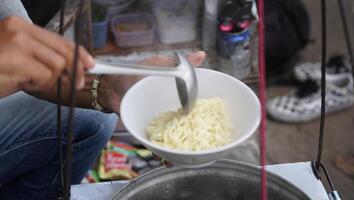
pixel 32 58
pixel 113 87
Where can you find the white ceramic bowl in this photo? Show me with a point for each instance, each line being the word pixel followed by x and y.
pixel 154 95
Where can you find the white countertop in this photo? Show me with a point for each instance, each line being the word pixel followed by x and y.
pixel 300 174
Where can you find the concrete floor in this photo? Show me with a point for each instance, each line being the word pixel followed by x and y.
pixel 298 142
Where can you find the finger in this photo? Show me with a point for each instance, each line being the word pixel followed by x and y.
pixel 83 65
pixel 31 47
pixel 52 40
pixel 86 58
pixel 196 59
pixel 80 77
pixel 80 68
pixel 46 56
pixel 59 44
pixel 8 84
pixel 35 75
pixel 25 68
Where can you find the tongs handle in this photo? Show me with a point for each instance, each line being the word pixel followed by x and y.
pixel 102 67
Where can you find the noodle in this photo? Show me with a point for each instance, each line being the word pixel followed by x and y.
pixel 207 126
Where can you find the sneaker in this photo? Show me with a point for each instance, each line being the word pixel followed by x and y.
pixel 304 103
pixel 336 69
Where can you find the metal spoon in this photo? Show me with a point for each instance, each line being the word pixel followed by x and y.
pixel 186 80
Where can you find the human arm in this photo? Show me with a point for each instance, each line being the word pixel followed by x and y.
pixel 32 58
pixel 113 87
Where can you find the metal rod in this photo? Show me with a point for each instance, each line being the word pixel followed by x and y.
pixel 130 69
pixel 59 135
pixel 323 84
pixel 102 67
pixel 70 134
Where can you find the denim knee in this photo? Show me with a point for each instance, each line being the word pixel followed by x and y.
pixel 90 123
pixel 94 131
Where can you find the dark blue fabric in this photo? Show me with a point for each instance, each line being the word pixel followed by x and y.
pixel 28 145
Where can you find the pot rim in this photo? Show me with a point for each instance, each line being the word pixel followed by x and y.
pixel 223 163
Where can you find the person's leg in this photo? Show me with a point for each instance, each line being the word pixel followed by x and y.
pixel 28 145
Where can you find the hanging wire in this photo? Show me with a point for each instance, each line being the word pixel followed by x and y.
pixel 333 194
pixel 329 180
pixel 72 100
pixel 262 96
pixel 317 165
pixel 323 84
pixel 58 94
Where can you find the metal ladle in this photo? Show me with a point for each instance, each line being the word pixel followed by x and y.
pixel 186 80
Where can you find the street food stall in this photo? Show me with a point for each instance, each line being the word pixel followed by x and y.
pixel 128 31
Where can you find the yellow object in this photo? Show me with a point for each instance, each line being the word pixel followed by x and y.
pixel 207 126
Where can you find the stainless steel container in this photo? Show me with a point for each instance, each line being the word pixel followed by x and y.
pixel 224 180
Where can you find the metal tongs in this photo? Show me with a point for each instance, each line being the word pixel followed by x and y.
pixel 184 73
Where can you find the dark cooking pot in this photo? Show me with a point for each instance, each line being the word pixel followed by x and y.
pixel 223 180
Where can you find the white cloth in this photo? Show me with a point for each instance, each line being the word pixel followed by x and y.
pixel 12 7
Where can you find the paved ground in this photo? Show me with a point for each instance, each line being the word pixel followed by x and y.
pixel 293 143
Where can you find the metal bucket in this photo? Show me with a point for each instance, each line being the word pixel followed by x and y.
pixel 223 180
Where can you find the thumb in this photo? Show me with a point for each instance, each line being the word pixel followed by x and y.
pixel 196 59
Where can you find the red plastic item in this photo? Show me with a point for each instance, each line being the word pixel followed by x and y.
pixel 226 27
pixel 262 96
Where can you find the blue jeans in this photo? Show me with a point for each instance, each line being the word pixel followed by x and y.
pixel 28 145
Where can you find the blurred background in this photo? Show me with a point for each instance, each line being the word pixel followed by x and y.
pixel 298 142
